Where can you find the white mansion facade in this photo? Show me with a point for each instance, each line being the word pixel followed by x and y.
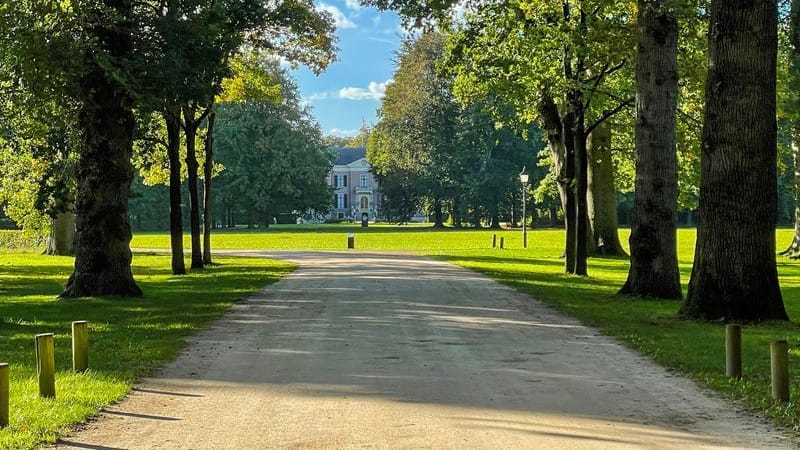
pixel 355 192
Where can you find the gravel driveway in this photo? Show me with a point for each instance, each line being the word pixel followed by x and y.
pixel 379 350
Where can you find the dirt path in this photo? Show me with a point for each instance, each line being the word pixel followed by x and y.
pixel 400 351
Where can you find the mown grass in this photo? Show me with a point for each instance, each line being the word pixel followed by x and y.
pixel 128 336
pixel 649 326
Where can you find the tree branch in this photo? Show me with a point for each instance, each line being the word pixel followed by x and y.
pixel 609 113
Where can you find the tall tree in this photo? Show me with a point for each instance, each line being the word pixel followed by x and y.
pixel 104 171
pixel 734 276
pixel 194 45
pixel 654 255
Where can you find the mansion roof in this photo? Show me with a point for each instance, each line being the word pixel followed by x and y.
pixel 346 155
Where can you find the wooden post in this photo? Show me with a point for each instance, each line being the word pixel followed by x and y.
pixel 351 240
pixel 494 241
pixel 779 365
pixel 3 395
pixel 733 351
pixel 46 365
pixel 502 242
pixel 80 346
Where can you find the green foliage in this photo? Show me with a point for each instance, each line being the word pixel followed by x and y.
pixel 428 148
pixel 253 80
pixel 273 154
pixel 129 336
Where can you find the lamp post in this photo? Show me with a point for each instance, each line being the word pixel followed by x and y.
pixel 523 178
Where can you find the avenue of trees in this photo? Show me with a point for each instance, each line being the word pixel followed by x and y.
pixel 76 79
pixel 688 87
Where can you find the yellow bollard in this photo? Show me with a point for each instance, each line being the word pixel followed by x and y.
pixel 80 346
pixel 733 351
pixel 3 395
pixel 779 365
pixel 46 365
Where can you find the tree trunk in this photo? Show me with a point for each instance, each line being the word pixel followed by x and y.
pixel 208 172
pixel 581 217
pixel 794 87
pixel 104 171
pixel 601 202
pixel 793 251
pixel 551 123
pixel 570 217
pixel 61 241
pixel 734 276
pixel 654 256
pixel 190 129
pixel 173 125
pixel 438 215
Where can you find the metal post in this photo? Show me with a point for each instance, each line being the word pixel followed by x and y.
pixel 523 178
pixel 524 216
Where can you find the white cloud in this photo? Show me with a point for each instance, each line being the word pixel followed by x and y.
pixel 374 91
pixel 343 133
pixel 355 5
pixel 317 96
pixel 338 16
pixel 382 40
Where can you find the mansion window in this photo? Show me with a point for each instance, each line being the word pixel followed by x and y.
pixel 341 201
pixel 364 181
pixel 340 181
pixel 364 203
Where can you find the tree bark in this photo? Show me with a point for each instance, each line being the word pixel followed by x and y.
pixel 104 171
pixel 581 217
pixel 208 173
pixel 61 241
pixel 602 194
pixel 550 121
pixel 734 276
pixel 190 130
pixel 173 126
pixel 438 215
pixel 794 88
pixel 570 216
pixel 793 251
pixel 654 256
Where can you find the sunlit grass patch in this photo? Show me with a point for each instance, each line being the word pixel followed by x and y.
pixel 128 336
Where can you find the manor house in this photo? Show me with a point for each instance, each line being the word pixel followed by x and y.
pixel 355 192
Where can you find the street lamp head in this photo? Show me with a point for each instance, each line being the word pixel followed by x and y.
pixel 523 176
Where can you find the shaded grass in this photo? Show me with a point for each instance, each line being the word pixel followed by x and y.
pixel 649 326
pixel 128 336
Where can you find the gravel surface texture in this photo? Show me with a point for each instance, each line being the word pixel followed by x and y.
pixel 380 350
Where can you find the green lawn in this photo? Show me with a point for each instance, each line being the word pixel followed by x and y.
pixel 128 336
pixel 650 327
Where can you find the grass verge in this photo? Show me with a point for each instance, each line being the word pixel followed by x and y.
pixel 129 337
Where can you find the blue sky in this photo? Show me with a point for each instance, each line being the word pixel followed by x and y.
pixel 351 88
